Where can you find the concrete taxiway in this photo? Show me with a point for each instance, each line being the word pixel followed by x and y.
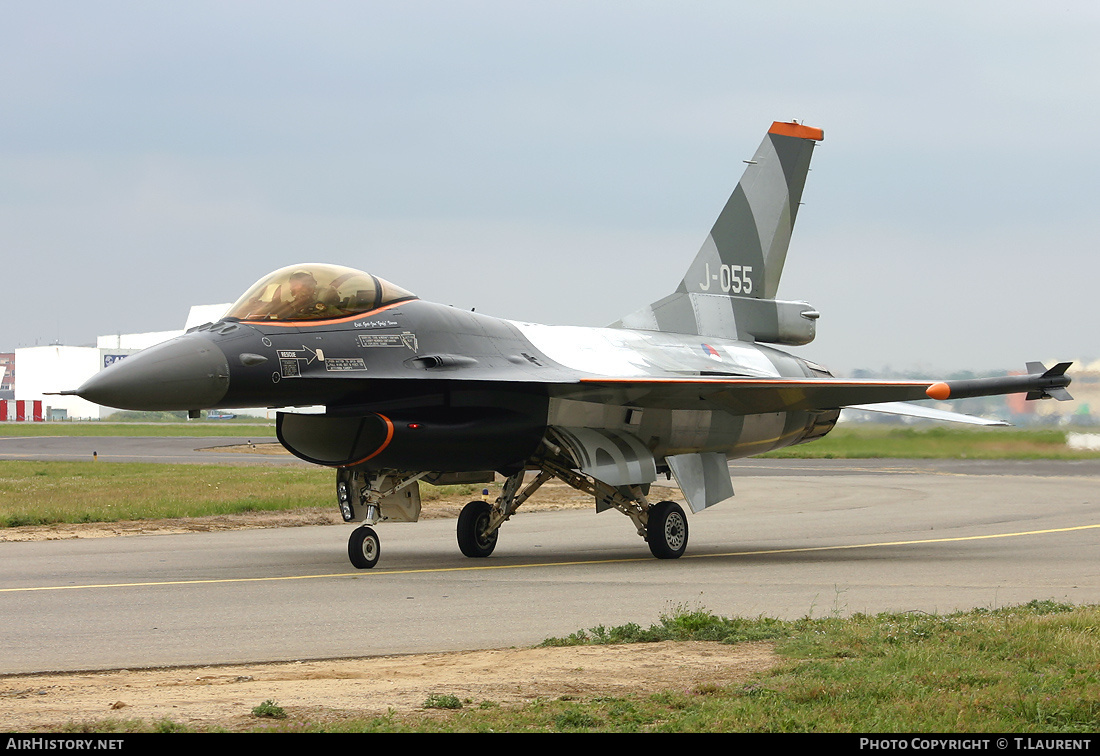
pixel 811 537
pixel 169 450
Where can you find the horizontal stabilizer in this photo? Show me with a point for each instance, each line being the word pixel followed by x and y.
pixel 904 409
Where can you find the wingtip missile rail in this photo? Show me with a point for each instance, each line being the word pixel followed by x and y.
pixel 1039 383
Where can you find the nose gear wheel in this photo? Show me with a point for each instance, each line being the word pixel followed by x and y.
pixel 364 548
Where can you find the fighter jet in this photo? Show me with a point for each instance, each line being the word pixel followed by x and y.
pixel 412 390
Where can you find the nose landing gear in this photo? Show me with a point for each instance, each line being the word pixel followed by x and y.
pixel 364 548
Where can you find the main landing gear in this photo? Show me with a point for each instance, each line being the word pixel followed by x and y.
pixel 663 525
pixel 475 539
pixel 667 530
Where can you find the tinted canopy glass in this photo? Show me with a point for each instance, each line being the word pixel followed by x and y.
pixel 315 291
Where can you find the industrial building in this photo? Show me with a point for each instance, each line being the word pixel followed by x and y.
pixel 7 375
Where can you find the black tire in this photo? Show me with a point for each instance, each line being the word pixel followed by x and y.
pixel 473 541
pixel 364 548
pixel 667 530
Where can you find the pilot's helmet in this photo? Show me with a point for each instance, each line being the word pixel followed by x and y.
pixel 307 284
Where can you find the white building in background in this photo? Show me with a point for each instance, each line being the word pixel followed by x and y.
pixel 133 341
pixel 48 369
pixel 45 370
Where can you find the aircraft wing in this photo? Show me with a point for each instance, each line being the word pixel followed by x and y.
pixel 745 396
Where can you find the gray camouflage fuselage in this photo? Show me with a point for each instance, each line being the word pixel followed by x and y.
pixel 452 373
pixel 408 389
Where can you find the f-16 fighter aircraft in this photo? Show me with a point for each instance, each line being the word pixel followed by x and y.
pixel 414 390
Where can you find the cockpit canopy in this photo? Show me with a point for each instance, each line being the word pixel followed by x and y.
pixel 315 291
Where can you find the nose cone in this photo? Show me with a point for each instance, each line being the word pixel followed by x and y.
pixel 188 372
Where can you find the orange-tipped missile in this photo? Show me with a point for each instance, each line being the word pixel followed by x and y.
pixel 1039 383
pixel 940 391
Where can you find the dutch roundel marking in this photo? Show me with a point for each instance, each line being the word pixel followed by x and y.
pixel 711 352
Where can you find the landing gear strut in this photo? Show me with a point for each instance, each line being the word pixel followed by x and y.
pixel 363 497
pixel 389 495
pixel 663 525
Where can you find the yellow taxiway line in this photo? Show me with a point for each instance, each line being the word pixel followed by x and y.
pixel 533 565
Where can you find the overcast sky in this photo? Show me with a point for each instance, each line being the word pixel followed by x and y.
pixel 557 162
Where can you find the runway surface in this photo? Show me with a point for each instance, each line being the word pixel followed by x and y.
pixel 174 450
pixel 214 450
pixel 800 538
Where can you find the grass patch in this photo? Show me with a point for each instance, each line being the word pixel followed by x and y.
pixel 428 492
pixel 43 493
pixel 52 492
pixel 681 625
pixel 1024 669
pixel 1033 668
pixel 442 701
pixel 198 428
pixel 270 709
pixel 935 442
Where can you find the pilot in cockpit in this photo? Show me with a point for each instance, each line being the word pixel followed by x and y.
pixel 306 300
pixel 315 291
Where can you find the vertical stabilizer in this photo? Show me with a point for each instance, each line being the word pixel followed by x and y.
pixel 746 248
pixel 729 289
